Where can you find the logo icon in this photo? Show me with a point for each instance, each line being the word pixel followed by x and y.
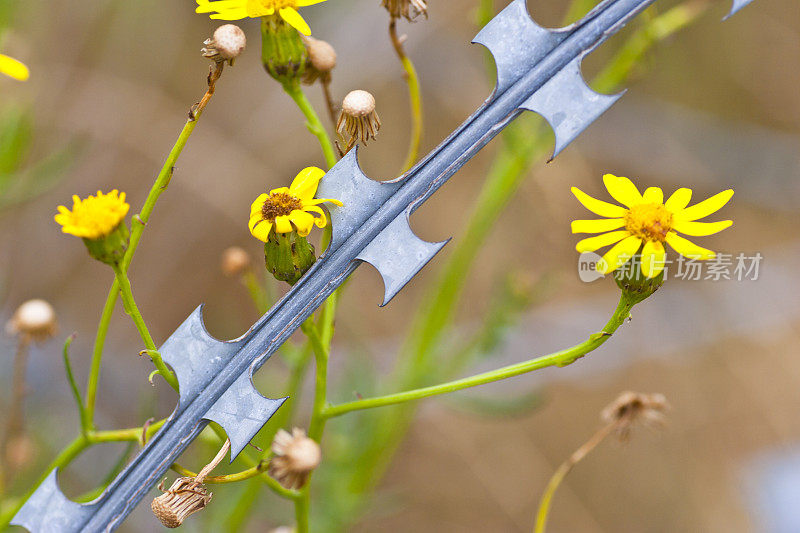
pixel 587 263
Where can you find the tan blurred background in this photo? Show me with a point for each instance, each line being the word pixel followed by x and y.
pixel 718 108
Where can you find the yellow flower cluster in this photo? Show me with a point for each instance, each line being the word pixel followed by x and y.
pixel 239 9
pixel 287 208
pixel 95 217
pixel 646 222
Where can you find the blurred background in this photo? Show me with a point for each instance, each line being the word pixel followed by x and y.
pixel 715 107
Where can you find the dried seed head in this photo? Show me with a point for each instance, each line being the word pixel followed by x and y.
pixel 408 9
pixel 227 44
pixel 321 60
pixel 358 119
pixel 631 407
pixel 235 261
pixel 34 319
pixel 282 529
pixel 184 497
pixel 296 456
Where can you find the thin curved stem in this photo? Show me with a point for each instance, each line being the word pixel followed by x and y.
pixel 133 310
pixel 313 123
pixel 414 95
pixel 560 358
pixel 139 222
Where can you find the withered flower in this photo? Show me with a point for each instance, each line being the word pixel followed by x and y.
pixel 631 407
pixel 296 456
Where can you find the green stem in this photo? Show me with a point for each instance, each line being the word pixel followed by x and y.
pixel 133 310
pixel 301 512
pixel 250 473
pixel 414 95
pixel 85 426
pixel 313 123
pixel 139 223
pixel 560 358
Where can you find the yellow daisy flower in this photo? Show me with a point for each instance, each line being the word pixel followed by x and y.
pixel 95 217
pixel 239 9
pixel 646 222
pixel 290 208
pixel 13 68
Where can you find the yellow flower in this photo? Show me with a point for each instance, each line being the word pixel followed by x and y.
pixel 287 208
pixel 647 223
pixel 95 217
pixel 13 68
pixel 239 9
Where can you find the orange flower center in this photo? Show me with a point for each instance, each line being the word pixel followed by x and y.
pixel 650 222
pixel 260 7
pixel 279 204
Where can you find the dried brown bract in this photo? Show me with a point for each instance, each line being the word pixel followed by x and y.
pixel 408 9
pixel 630 408
pixel 358 119
pixel 184 497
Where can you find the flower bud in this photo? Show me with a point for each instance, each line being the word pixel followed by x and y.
pixel 35 319
pixel 296 456
pixel 634 284
pixel 235 261
pixel 184 497
pixel 227 44
pixel 321 60
pixel 288 256
pixel 282 50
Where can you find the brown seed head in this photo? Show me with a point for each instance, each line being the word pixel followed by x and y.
pixel 34 319
pixel 321 54
pixel 630 407
pixel 408 9
pixel 296 456
pixel 184 497
pixel 227 43
pixel 358 119
pixel 235 261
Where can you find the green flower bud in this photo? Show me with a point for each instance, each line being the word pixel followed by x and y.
pixel 288 256
pixel 634 283
pixel 111 248
pixel 283 52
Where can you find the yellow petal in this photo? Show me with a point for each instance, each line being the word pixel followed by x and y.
pixel 620 254
pixel 258 203
pixel 303 3
pixel 304 185
pixel 321 221
pixel 653 257
pixel 598 207
pixel 260 229
pixel 280 190
pixel 701 229
pixel 678 200
pixel 653 195
pixel 706 207
pixel 294 19
pixel 317 201
pixel 687 248
pixel 622 190
pixel 593 243
pixel 282 224
pixel 596 226
pixel 302 221
pixel 13 68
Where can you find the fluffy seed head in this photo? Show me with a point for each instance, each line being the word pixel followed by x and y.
pixel 296 456
pixel 321 54
pixel 358 103
pixel 235 261
pixel 227 43
pixel 35 319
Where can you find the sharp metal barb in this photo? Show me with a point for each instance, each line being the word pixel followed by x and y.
pixel 537 69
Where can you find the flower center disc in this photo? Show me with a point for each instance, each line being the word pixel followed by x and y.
pixel 651 222
pixel 278 205
pixel 260 6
